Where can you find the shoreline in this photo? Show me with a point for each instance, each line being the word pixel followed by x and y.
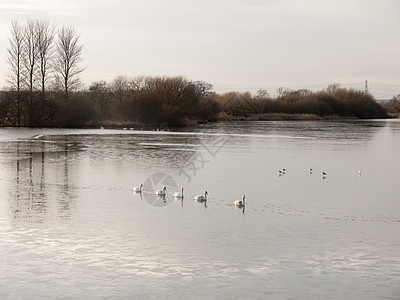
pixel 292 117
pixel 221 117
pixel 281 117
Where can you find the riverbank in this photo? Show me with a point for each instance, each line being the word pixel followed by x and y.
pixel 281 117
pixel 221 117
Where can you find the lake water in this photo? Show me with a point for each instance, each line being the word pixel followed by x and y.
pixel 72 228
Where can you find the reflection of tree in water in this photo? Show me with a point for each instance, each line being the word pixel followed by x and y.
pixel 41 191
pixel 394 126
pixel 30 205
pixel 65 200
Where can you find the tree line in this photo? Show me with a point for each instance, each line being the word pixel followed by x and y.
pixel 333 101
pixel 174 101
pixel 45 90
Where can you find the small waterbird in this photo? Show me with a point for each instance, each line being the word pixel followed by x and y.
pixel 162 192
pixel 179 194
pixel 201 198
pixel 138 189
pixel 240 203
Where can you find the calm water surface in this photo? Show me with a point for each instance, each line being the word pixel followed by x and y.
pixel 71 227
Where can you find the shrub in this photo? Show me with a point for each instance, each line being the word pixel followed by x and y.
pixel 77 111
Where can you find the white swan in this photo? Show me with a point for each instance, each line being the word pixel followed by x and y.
pixel 201 198
pixel 162 192
pixel 240 203
pixel 179 194
pixel 138 189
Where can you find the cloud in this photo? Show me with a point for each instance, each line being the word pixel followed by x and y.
pixel 15 8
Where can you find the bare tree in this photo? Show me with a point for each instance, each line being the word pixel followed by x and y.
pixel 45 36
pixel 203 88
pixel 31 55
pixel 394 104
pixel 136 84
pixel 262 94
pixel 15 61
pixel 332 88
pixel 120 87
pixel 68 59
pixel 283 92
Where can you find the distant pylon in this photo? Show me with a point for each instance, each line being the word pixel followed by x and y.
pixel 366 86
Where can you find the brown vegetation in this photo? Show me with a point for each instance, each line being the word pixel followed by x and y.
pixel 302 104
pixel 175 101
pixel 393 106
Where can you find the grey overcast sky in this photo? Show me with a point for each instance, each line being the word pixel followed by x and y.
pixel 236 45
